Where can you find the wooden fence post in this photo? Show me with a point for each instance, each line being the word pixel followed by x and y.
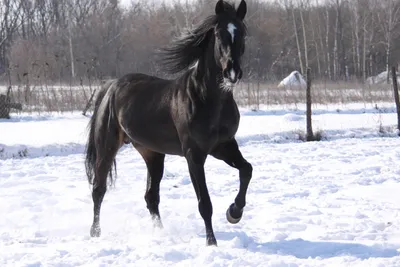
pixel 396 96
pixel 310 134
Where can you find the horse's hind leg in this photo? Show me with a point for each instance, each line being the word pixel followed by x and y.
pixel 155 169
pixel 230 153
pixel 104 166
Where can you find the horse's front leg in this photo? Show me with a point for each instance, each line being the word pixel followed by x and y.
pixel 230 153
pixel 196 159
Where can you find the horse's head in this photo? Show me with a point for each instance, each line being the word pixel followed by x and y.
pixel 230 34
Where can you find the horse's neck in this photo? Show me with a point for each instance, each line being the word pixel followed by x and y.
pixel 207 76
pixel 206 94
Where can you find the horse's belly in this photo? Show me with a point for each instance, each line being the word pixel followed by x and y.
pixel 161 146
pixel 158 136
pixel 226 132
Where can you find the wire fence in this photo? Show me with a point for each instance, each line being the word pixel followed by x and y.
pixel 64 98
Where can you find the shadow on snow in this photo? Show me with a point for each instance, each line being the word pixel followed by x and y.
pixel 304 249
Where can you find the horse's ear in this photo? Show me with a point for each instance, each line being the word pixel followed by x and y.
pixel 241 10
pixel 219 7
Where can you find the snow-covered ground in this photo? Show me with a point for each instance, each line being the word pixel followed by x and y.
pixel 329 203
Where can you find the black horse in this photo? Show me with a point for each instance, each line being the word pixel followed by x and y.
pixel 192 116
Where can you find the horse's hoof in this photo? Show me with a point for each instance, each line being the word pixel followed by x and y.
pixel 158 224
pixel 229 215
pixel 211 241
pixel 156 219
pixel 95 231
pixel 212 244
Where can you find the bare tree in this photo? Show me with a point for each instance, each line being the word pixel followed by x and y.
pixel 388 18
pixel 295 28
pixel 9 22
pixel 303 5
pixel 86 39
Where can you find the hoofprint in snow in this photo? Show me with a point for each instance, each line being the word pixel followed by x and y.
pixel 329 203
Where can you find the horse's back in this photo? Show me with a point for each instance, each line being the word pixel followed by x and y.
pixel 145 90
pixel 137 79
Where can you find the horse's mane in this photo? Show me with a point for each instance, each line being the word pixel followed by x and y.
pixel 187 49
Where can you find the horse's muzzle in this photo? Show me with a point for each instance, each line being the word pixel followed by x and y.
pixel 233 75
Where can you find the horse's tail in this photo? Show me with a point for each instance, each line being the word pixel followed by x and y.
pixel 103 137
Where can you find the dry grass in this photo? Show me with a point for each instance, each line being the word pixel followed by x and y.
pixel 317 136
pixel 63 98
pixel 44 98
pixel 255 94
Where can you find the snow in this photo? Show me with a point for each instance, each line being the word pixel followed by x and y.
pixel 293 80
pixel 381 78
pixel 328 203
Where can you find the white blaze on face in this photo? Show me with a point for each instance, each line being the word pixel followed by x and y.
pixel 232 74
pixel 231 30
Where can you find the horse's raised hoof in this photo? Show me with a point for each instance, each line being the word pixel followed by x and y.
pixel 95 231
pixel 232 216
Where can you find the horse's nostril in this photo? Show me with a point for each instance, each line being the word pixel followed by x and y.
pixel 231 75
pixel 226 73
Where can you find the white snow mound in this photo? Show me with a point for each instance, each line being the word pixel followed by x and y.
pixel 294 80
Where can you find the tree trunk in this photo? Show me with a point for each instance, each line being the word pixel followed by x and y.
pixel 396 97
pixel 335 47
pixel 388 62
pixel 71 50
pixel 321 44
pixel 328 55
pixel 310 134
pixel 357 40
pixel 364 55
pixel 304 37
pixel 297 42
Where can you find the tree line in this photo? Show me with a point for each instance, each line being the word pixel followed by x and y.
pixel 70 41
